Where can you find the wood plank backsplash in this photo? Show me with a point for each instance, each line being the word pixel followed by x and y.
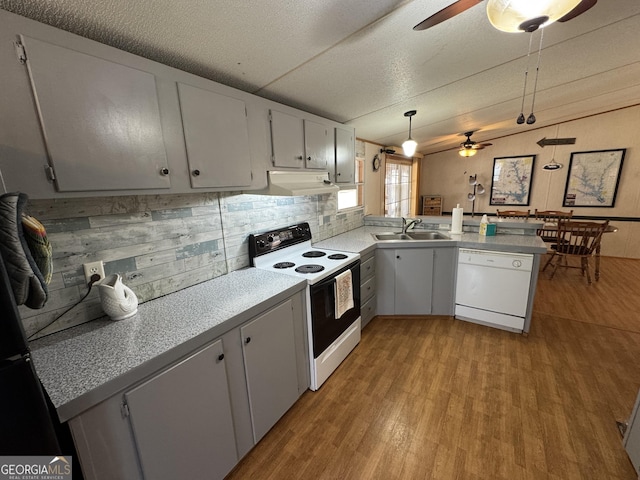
pixel 162 243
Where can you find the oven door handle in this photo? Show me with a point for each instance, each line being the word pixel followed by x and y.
pixel 332 278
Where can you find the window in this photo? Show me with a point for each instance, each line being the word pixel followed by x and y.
pixel 352 196
pixel 398 191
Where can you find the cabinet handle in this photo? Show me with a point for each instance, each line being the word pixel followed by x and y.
pixel 221 357
pixel 398 257
pixel 309 159
pixel 164 171
pixel 196 173
pixel 299 157
pixel 247 340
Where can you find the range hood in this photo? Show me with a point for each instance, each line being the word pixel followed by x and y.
pixel 298 183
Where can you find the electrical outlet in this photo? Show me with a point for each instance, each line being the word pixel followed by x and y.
pixel 93 268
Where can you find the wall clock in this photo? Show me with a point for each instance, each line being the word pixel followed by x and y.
pixel 376 163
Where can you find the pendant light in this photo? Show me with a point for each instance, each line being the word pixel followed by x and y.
pixel 467 152
pixel 409 145
pixel 527 15
pixel 531 119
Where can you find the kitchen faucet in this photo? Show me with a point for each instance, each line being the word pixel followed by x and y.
pixel 406 226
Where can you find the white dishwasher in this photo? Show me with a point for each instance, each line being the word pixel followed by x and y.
pixel 492 288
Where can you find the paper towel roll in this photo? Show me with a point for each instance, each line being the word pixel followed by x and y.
pixel 456 220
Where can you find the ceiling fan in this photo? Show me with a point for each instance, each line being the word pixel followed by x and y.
pixel 515 15
pixel 468 148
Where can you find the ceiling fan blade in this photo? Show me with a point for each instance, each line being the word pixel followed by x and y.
pixel 579 9
pixel 446 13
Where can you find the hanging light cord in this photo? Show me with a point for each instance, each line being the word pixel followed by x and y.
pixel 532 118
pixel 524 89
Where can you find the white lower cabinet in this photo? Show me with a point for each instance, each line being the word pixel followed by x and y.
pixel 415 281
pixel 198 416
pixel 367 288
pixel 181 419
pixel 631 440
pixel 404 283
pixel 268 349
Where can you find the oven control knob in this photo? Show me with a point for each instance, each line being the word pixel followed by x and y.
pixel 261 243
pixel 270 238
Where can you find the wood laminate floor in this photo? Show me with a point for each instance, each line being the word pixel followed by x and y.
pixel 438 398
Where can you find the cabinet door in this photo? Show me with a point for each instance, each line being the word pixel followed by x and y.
pixel 631 440
pixel 181 419
pixel 386 281
pixel 444 285
pixel 100 120
pixel 413 281
pixel 318 145
pixel 287 140
pixel 345 156
pixel 217 138
pixel 269 352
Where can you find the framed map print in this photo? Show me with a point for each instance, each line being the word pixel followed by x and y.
pixel 593 178
pixel 511 181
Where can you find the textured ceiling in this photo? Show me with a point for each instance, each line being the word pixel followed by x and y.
pixel 360 62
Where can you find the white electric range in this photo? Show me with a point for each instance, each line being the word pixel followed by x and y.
pixel 331 334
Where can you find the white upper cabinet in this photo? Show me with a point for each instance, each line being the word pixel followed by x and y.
pixel 300 143
pixel 100 120
pixel 345 155
pixel 318 144
pixel 287 140
pixel 216 138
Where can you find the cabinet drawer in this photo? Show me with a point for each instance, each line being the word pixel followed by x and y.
pixel 368 268
pixel 431 211
pixel 367 289
pixel 367 311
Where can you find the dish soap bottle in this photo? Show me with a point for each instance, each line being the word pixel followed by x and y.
pixel 486 228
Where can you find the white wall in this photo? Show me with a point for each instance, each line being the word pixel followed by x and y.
pixel 447 173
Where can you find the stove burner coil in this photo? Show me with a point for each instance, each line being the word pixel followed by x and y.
pixel 337 256
pixel 309 268
pixel 284 265
pixel 313 254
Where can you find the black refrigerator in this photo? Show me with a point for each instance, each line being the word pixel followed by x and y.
pixel 28 422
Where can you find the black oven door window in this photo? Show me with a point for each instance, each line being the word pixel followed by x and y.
pixel 325 327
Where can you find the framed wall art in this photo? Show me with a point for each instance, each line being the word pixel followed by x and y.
pixel 511 181
pixel 593 178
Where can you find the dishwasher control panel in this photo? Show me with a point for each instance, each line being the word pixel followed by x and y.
pixel 488 258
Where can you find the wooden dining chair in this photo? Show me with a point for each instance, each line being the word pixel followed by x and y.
pixel 523 214
pixel 551 218
pixel 579 240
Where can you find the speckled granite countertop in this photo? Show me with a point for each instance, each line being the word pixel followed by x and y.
pixel 361 240
pixel 85 365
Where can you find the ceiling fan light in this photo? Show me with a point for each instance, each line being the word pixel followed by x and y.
pixel 409 147
pixel 467 152
pixel 514 15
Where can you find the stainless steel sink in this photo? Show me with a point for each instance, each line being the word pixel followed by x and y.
pixel 428 236
pixel 411 236
pixel 391 236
